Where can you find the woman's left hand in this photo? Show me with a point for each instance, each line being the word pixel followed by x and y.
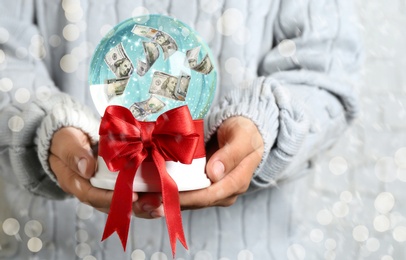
pixel 233 155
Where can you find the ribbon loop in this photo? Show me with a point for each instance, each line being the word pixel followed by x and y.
pixel 125 143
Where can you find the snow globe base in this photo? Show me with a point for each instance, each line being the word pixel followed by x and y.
pixel 187 176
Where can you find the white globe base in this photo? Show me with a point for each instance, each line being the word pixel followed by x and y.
pixel 187 176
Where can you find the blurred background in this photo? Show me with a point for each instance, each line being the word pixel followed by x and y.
pixel 356 201
pixel 354 205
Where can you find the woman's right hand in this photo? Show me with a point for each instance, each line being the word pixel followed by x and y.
pixel 71 159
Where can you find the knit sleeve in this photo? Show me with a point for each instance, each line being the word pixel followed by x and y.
pixel 304 97
pixel 31 107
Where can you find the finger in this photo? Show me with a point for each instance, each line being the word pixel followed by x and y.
pixel 148 205
pixel 237 138
pixel 78 186
pixel 72 146
pixel 226 159
pixel 224 192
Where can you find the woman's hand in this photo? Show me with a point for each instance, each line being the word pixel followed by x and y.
pixel 233 154
pixel 71 159
pixel 238 150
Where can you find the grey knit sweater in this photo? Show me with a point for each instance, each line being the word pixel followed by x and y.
pixel 287 65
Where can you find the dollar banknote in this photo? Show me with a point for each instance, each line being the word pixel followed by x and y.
pixel 182 86
pixel 192 56
pixel 144 31
pixel 170 86
pixel 164 85
pixel 151 55
pixel 167 43
pixel 158 80
pixel 141 110
pixel 204 67
pixel 118 61
pixel 116 87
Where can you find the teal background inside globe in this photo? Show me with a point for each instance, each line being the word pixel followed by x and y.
pixel 201 88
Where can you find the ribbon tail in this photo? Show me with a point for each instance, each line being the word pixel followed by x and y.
pixel 119 216
pixel 170 197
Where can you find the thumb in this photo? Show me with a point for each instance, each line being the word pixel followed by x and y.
pixel 237 138
pixel 72 147
pixel 225 160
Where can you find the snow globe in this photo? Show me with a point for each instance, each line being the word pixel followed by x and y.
pixel 150 65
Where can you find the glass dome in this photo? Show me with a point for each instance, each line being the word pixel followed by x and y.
pixel 151 64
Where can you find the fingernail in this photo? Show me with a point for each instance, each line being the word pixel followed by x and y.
pixel 218 169
pixel 82 165
pixel 157 213
pixel 147 207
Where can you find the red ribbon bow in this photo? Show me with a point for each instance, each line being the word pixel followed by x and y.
pixel 125 143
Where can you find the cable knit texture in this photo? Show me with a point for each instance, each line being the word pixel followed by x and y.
pixel 65 113
pixel 286 65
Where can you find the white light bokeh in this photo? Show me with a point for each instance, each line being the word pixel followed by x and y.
pixel 245 255
pixel 296 252
pixel 84 211
pixel 232 65
pixel 33 228
pixel 230 21
pixel 34 244
pixel 105 29
pixel 338 165
pixel 69 63
pixel 37 48
pixel 43 93
pixel 71 32
pixel 185 32
pixel 22 95
pixel 401 174
pixel 206 30
pixel 79 52
pixel 330 244
pixel 82 250
pixel 287 48
pixel 81 236
pixel 140 11
pixel 330 255
pixel 71 6
pixel 75 16
pixel 159 256
pixel 138 254
pixel 15 124
pixel 54 40
pixel 373 244
pixel 242 36
pixel 316 235
pixel 2 56
pixel 4 35
pixel 400 157
pixel 384 202
pixel 346 196
pixel 399 233
pixel 385 169
pixel 203 255
pixel 324 217
pixel 6 84
pixel 11 226
pixel 340 209
pixel 381 223
pixel 360 233
pixel 387 257
pixel 21 52
pixel 209 6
